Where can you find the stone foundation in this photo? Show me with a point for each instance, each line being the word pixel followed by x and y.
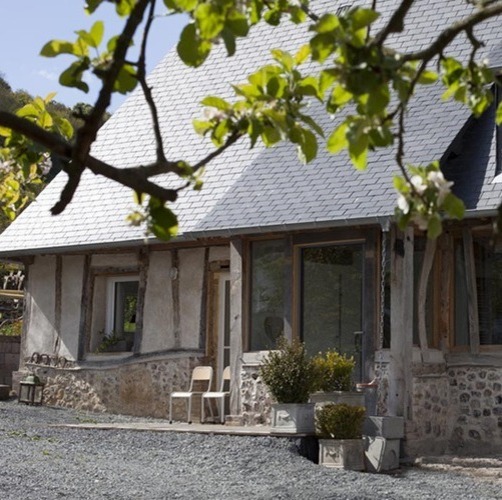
pixel 256 401
pixel 139 388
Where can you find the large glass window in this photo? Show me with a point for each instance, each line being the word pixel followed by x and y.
pixel 331 296
pixel 488 265
pixel 267 293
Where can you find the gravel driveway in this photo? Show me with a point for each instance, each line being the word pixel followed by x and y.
pixel 41 462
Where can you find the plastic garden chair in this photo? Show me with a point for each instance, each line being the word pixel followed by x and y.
pixel 218 395
pixel 199 374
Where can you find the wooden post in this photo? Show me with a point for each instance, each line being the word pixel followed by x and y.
pixel 144 262
pixel 86 309
pixel 401 321
pixel 472 293
pixel 58 303
pixel 235 325
pixel 425 272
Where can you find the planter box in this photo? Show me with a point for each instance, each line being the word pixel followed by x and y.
pixel 342 453
pixel 381 454
pixel 387 427
pixel 336 397
pixel 293 418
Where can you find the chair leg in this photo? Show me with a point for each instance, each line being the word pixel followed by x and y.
pixel 202 415
pixel 170 410
pixel 222 410
pixel 189 414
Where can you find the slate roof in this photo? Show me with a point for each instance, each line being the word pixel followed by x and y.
pixel 262 189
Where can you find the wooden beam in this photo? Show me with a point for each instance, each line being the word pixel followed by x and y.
pixel 58 303
pixel 401 320
pixel 144 262
pixel 175 292
pixel 425 273
pixel 86 309
pixel 446 291
pixel 235 324
pixel 472 292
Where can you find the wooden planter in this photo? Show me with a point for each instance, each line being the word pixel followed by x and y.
pixel 342 453
pixel 292 418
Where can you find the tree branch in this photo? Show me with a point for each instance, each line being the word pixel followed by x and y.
pixel 395 24
pixel 87 133
pixel 449 34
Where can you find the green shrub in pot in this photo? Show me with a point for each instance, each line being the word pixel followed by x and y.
pixel 289 372
pixel 339 421
pixel 333 371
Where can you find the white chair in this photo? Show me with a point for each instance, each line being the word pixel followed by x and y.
pixel 199 374
pixel 218 395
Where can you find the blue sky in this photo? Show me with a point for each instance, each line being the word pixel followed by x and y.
pixel 28 24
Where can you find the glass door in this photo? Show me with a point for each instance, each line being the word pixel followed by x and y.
pixel 331 299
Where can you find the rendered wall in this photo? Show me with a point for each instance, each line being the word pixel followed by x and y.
pixel 71 297
pixel 158 326
pixel 41 290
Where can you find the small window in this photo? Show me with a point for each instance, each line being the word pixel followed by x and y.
pixel 122 299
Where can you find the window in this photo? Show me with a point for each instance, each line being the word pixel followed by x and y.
pixel 488 270
pixel 331 297
pixel 267 293
pixel 113 324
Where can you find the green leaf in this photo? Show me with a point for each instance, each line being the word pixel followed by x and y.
pixel 434 227
pixel 64 127
pixel 361 18
pixel 358 151
pixel 209 19
pixel 126 80
pixel 273 17
pixel 96 32
pixel 311 123
pixel 187 5
pixel 124 7
pixel 270 135
pixel 428 77
pixel 192 50
pixel 164 223
pixel 57 47
pixel 400 184
pixel 454 206
pixel 92 5
pixel 302 54
pixel 229 40
pixel 498 115
pixel 307 146
pixel 216 102
pixel 237 23
pixel 72 76
pixel 322 46
pixel 340 97
pixel 326 24
pixel 284 58
pixel 338 139
pixel 378 100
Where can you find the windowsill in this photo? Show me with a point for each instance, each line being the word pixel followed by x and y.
pixel 105 356
pixel 254 358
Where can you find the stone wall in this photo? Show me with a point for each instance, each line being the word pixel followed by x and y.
pixel 133 388
pixel 456 410
pixel 9 357
pixel 255 398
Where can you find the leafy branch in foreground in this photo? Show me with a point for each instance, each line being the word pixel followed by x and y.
pixel 352 71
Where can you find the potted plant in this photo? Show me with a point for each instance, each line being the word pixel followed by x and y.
pixel 290 377
pixel 339 428
pixel 334 379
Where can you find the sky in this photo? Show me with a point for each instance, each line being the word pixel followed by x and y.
pixel 26 25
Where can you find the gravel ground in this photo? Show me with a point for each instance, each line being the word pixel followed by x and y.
pixel 41 462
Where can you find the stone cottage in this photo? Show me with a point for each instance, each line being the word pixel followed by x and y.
pixel 272 247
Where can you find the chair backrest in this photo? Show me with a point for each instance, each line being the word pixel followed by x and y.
pixel 201 374
pixel 225 377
